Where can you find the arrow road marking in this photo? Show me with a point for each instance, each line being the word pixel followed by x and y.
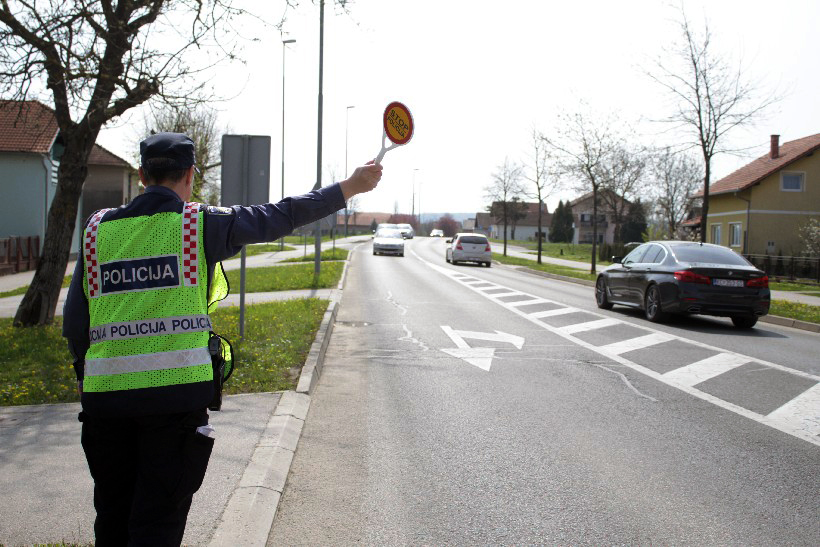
pixel 479 357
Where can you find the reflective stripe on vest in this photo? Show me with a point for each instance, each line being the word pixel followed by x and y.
pixel 105 366
pixel 149 327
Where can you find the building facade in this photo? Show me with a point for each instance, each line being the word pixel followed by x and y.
pixel 761 207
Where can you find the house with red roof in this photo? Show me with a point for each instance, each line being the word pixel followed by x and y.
pixel 760 208
pixel 30 152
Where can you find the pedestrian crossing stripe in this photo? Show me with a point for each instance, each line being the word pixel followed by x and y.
pixel 799 417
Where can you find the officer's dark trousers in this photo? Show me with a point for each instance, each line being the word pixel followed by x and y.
pixel 146 471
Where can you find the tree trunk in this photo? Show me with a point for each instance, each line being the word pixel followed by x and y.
pixel 594 227
pixel 705 208
pixel 539 231
pixel 40 301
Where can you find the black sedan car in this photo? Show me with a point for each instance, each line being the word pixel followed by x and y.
pixel 663 277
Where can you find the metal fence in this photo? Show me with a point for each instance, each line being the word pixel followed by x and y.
pixel 789 267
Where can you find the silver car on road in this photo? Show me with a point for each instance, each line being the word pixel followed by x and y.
pixel 469 248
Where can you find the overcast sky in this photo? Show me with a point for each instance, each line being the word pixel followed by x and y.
pixel 478 76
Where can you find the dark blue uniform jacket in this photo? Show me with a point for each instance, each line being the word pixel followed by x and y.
pixel 227 230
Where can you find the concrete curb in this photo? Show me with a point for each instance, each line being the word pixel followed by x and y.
pixel 312 368
pixel 773 319
pixel 249 514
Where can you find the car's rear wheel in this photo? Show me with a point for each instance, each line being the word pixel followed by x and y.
pixel 600 294
pixel 652 305
pixel 744 321
pixel 488 264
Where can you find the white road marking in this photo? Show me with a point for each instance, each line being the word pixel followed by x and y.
pixel 551 313
pixel 590 325
pixel 802 412
pixel 692 375
pixel 527 302
pixel 641 342
pixel 792 420
pixel 510 293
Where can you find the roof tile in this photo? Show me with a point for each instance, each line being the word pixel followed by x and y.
pixel 762 167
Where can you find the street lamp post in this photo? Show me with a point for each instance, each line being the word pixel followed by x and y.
pixel 347 118
pixel 284 48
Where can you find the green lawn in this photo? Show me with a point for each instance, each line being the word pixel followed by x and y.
pixel 35 366
pixel 22 290
pixel 544 267
pixel 804 288
pixel 568 251
pixel 795 310
pixel 286 278
pixel 260 248
pixel 300 240
pixel 327 254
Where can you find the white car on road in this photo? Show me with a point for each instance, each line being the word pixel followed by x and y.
pixel 388 241
pixel 469 248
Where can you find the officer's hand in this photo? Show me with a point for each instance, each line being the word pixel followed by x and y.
pixel 363 179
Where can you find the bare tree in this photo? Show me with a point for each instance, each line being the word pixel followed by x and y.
pixel 582 148
pixel 711 97
pixel 97 61
pixel 675 178
pixel 352 208
pixel 506 185
pixel 199 123
pixel 623 171
pixel 542 177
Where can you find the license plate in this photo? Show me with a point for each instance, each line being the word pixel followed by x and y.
pixel 729 282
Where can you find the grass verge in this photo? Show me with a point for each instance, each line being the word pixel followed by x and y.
pixel 287 278
pixel 544 267
pixel 251 250
pixel 568 251
pixel 35 366
pixel 22 290
pixel 329 254
pixel 795 310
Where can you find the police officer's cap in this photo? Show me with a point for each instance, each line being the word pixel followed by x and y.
pixel 167 151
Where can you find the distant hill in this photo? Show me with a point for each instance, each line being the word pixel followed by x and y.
pixel 461 217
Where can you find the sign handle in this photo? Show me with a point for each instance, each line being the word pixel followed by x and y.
pixel 384 149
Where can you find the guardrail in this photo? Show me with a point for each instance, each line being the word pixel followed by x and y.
pixel 19 254
pixel 789 267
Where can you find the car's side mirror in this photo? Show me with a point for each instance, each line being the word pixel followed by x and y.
pixel 617 259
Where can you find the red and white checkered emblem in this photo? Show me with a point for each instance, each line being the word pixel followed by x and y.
pixel 92 264
pixel 190 235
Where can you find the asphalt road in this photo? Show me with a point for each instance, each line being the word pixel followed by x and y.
pixel 464 405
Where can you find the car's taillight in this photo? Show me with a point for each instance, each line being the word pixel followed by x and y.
pixel 691 277
pixel 759 282
pixel 459 247
pixel 488 248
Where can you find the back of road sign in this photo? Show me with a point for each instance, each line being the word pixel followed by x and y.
pixel 245 169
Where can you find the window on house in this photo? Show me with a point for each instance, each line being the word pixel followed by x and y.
pixel 716 234
pixel 735 234
pixel 791 182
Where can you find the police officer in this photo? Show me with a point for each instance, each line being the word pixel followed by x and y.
pixel 137 325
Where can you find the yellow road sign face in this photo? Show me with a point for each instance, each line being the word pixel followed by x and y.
pixel 398 123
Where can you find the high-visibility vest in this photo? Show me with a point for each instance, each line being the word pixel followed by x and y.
pixel 148 295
